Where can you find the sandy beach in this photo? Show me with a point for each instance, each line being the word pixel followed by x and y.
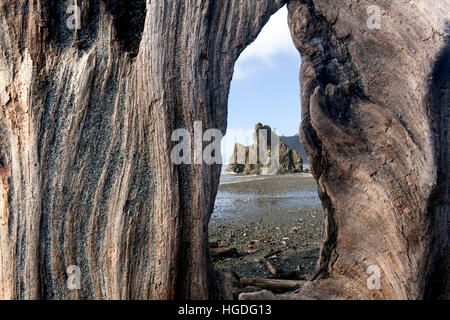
pixel 259 215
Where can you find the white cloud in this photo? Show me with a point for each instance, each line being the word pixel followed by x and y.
pixel 274 39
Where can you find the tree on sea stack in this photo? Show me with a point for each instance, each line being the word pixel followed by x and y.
pixel 91 94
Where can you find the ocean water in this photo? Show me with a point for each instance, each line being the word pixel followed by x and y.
pixel 265 198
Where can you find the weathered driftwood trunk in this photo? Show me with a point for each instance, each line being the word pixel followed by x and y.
pixel 85 143
pixel 86 126
pixel 375 108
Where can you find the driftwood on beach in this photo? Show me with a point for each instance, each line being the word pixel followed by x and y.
pixel 223 252
pixel 287 275
pixel 274 285
pixel 86 175
pixel 213 244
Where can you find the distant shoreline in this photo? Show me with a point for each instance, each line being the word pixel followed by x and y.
pixel 226 179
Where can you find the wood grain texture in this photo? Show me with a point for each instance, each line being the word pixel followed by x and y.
pixel 376 132
pixel 87 118
pixel 85 140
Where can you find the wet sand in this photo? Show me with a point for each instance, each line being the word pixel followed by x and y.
pixel 259 215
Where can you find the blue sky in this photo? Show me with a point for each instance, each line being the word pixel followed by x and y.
pixel 265 86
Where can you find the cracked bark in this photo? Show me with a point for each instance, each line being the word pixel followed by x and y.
pixel 375 129
pixel 87 118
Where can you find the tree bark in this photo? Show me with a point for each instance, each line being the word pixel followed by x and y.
pixel 375 108
pixel 85 143
pixel 86 126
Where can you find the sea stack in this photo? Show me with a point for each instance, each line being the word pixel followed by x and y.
pixel 261 157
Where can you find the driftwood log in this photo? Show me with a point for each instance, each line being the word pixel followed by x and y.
pixel 273 270
pixel 287 275
pixel 223 252
pixel 213 244
pixel 85 143
pixel 375 108
pixel 274 285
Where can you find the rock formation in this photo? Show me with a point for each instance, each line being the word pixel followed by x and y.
pixel 293 142
pixel 85 141
pixel 257 158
